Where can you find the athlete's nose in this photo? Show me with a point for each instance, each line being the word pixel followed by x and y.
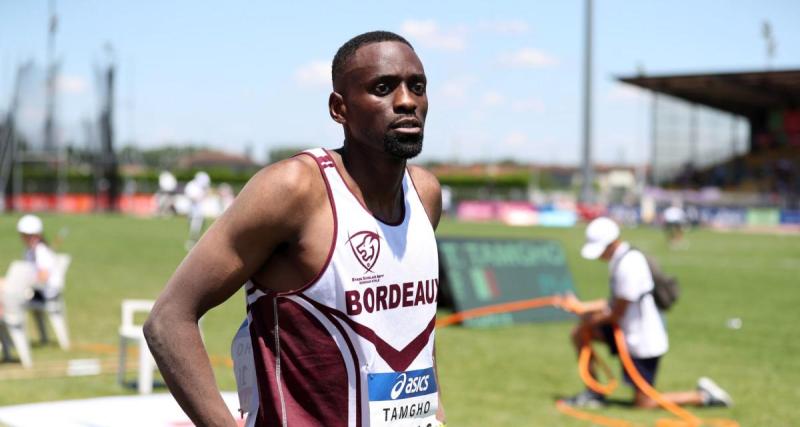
pixel 404 100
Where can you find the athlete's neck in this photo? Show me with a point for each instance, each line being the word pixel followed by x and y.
pixel 378 180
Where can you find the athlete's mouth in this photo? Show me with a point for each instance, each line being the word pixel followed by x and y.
pixel 407 125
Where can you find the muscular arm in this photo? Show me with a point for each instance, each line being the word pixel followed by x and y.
pixel 270 210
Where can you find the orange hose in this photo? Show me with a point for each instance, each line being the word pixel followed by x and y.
pixel 584 363
pixel 686 418
pixel 592 418
pixel 508 307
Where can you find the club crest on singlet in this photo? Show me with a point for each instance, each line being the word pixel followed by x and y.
pixel 366 246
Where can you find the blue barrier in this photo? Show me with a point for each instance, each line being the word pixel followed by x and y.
pixel 790 217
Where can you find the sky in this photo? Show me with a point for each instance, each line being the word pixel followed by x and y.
pixel 504 77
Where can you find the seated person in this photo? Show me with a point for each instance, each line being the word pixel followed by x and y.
pixel 38 253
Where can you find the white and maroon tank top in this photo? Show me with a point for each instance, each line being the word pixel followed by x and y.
pixel 354 347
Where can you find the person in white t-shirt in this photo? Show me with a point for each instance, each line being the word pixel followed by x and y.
pixel 631 306
pixel 38 253
pixel 674 221
pixel 196 191
pixel 165 197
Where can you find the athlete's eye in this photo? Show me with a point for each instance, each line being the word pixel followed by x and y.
pixel 382 89
pixel 418 88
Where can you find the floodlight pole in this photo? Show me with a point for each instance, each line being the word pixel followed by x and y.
pixel 8 148
pixel 693 138
pixel 734 137
pixel 49 125
pixel 769 40
pixel 586 185
pixel 654 139
pixel 108 159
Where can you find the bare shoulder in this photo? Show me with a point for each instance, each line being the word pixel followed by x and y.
pixel 295 173
pixel 429 190
pixel 425 181
pixel 281 193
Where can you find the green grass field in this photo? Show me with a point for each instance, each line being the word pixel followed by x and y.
pixel 506 376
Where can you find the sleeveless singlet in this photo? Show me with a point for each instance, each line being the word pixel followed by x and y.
pixel 354 347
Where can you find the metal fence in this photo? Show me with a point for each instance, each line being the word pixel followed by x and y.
pixel 690 137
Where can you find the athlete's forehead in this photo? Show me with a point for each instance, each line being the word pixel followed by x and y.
pixel 382 59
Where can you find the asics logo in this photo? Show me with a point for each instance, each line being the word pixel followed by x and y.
pixel 398 386
pixel 406 385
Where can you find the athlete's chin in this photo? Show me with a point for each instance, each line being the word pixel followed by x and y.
pixel 403 145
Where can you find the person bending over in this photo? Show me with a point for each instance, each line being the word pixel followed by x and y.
pixel 632 307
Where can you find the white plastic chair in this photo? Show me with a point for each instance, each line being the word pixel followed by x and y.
pixel 17 289
pixel 54 308
pixel 131 332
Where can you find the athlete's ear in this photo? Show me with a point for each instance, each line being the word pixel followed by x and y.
pixel 336 108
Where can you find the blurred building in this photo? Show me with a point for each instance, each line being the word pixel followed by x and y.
pixel 738 131
pixel 534 182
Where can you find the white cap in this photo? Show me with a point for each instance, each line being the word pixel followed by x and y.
pixel 203 179
pixel 599 234
pixel 30 224
pixel 167 181
pixel 194 190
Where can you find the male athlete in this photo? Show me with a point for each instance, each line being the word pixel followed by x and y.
pixel 337 253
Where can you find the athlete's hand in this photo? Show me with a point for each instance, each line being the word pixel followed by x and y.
pixel 440 416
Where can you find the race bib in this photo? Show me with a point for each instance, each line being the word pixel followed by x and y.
pixel 403 398
pixel 244 370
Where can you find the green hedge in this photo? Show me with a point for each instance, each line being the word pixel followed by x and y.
pixel 217 175
pixel 39 180
pixel 517 180
pixel 43 180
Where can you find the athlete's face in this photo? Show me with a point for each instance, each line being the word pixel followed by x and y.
pixel 383 99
